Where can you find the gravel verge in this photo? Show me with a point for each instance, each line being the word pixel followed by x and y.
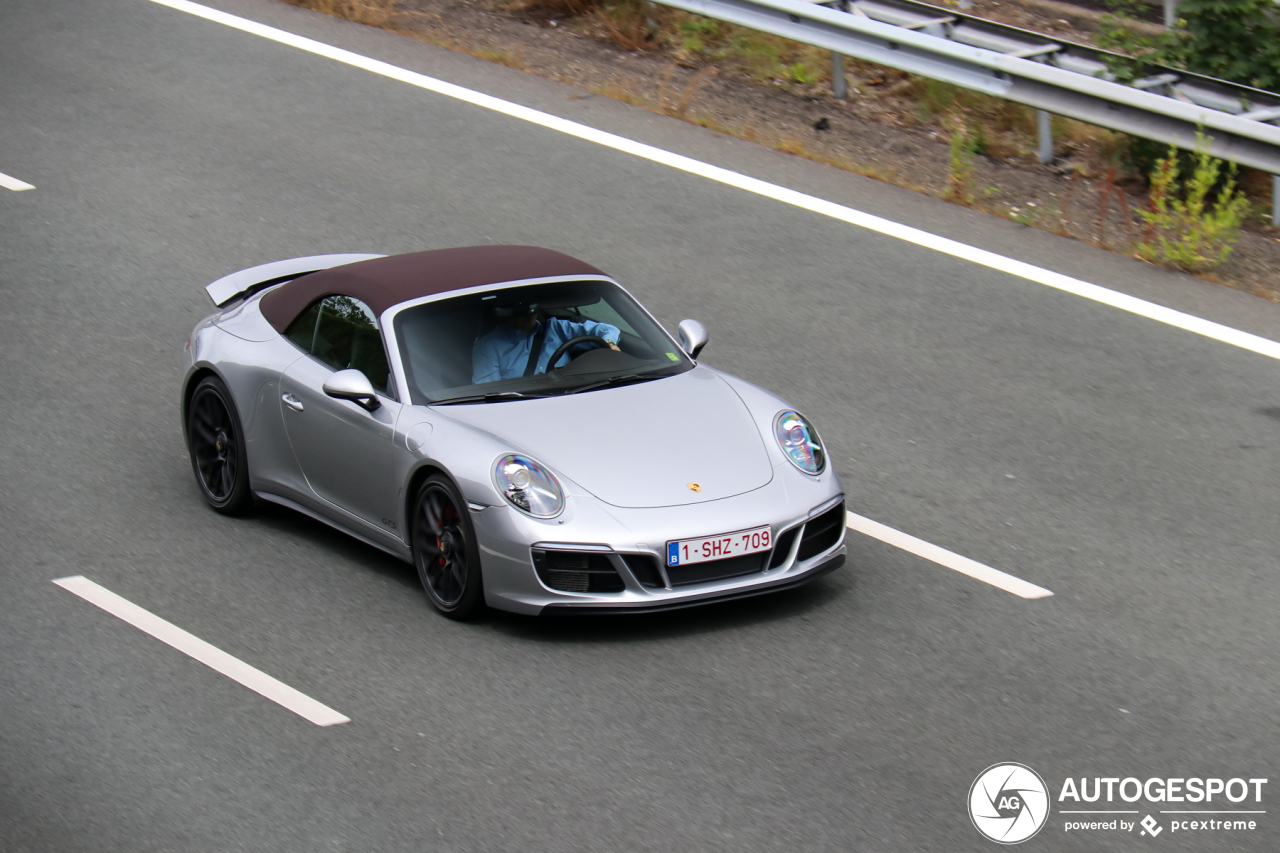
pixel 881 130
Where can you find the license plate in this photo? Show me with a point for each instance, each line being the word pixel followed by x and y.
pixel 687 551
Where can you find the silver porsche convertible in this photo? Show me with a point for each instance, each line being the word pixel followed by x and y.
pixel 512 422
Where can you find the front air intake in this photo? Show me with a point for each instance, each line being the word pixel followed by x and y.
pixel 576 571
pixel 645 568
pixel 822 533
pixel 782 548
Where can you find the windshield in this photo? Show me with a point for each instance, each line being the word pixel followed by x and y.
pixel 532 341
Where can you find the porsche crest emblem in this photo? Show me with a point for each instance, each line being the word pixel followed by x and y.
pixel 694 486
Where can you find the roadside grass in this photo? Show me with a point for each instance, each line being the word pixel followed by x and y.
pixel 620 91
pixel 996 128
pixel 630 24
pixel 510 58
pixel 627 23
pixel 759 56
pixel 635 25
pixel 373 13
pixel 1183 232
pixel 963 145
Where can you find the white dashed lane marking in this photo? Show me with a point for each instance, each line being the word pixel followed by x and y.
pixel 211 656
pixel 943 557
pixel 11 183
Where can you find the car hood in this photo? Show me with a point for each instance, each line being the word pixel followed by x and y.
pixel 641 445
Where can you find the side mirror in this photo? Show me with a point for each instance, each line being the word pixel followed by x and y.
pixel 693 337
pixel 354 386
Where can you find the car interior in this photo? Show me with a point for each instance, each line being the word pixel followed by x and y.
pixel 437 338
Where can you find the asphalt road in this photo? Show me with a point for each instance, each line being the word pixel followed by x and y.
pixel 1128 466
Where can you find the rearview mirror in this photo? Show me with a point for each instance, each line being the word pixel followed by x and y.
pixel 352 385
pixel 693 337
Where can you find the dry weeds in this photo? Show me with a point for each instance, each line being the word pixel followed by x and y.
pixel 1092 200
pixel 374 13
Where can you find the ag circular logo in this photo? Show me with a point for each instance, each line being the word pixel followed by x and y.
pixel 1008 803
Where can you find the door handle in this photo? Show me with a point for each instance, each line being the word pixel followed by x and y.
pixel 292 402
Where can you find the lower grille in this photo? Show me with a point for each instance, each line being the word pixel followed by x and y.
pixel 715 570
pixel 822 533
pixel 576 571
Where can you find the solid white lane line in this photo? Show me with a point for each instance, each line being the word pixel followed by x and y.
pixel 235 669
pixel 1124 302
pixel 11 183
pixel 943 557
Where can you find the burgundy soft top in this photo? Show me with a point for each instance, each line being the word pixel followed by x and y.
pixel 383 282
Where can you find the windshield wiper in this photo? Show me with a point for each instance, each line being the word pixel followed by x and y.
pixel 629 379
pixel 492 397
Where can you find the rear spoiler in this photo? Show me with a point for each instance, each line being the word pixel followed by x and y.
pixel 247 282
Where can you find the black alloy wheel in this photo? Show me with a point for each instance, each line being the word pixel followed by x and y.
pixel 216 442
pixel 445 550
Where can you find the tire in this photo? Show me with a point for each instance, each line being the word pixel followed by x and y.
pixel 216 443
pixel 445 550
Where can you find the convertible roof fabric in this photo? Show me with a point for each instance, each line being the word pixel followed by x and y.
pixel 383 282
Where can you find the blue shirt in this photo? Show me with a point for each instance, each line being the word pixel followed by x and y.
pixel 504 352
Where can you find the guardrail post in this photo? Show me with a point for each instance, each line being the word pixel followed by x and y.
pixel 839 87
pixel 651 20
pixel 1170 13
pixel 1044 123
pixel 1275 199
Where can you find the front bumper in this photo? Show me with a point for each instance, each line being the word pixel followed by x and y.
pixel 830 564
pixel 508 539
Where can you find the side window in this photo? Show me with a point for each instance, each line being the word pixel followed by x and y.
pixel 302 331
pixel 343 333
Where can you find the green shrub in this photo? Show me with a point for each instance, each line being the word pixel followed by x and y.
pixel 707 28
pixel 799 73
pixel 963 146
pixel 1236 40
pixel 1183 227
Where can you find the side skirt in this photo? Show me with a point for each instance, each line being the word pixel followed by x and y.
pixel 402 554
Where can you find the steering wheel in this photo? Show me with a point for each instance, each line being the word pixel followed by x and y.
pixel 572 342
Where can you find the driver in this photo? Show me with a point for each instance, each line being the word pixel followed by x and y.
pixel 507 351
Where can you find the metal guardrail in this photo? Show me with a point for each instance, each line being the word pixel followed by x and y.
pixel 1166 104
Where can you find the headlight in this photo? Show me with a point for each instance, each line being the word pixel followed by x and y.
pixel 528 486
pixel 799 441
